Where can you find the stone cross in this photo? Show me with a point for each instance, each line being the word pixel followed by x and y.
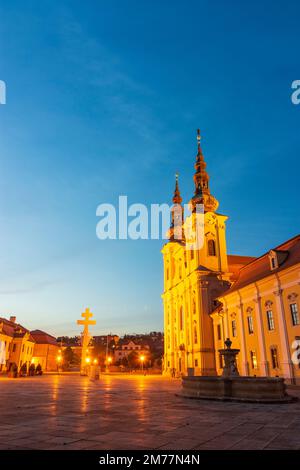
pixel 85 337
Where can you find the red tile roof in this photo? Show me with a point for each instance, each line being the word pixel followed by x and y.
pixel 11 328
pixel 41 337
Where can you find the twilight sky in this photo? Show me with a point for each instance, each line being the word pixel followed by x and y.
pixel 103 99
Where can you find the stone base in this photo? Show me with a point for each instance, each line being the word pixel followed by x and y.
pixel 246 389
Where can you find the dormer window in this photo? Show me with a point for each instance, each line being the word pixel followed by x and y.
pixel 277 258
pixel 273 260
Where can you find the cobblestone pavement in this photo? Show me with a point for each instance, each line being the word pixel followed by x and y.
pixel 135 412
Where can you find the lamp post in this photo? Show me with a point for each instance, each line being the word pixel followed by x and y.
pixel 58 360
pixel 142 358
pixel 107 363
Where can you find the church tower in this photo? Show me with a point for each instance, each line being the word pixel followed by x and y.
pixel 195 273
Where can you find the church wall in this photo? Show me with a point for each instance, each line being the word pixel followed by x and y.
pixel 276 294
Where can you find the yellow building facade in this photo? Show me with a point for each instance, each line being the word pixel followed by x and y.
pixel 19 346
pixel 204 302
pixel 260 314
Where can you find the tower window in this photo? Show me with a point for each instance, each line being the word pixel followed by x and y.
pixel 219 332
pixel 194 306
pixel 195 333
pixel 270 318
pixel 233 327
pixel 295 314
pixel 180 268
pixel 274 357
pixel 211 248
pixel 250 325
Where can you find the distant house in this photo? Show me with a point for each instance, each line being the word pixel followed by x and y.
pixel 125 348
pixel 45 350
pixel 103 340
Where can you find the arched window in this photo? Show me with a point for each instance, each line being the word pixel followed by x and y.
pixel 211 248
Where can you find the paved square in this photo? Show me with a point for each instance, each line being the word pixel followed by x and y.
pixel 135 412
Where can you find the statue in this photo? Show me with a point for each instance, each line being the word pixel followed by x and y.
pixel 230 368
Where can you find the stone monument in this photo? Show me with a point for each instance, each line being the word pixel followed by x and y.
pixel 85 339
pixel 229 357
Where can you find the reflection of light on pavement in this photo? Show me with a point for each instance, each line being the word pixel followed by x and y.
pixel 84 396
pixel 55 388
pixel 54 394
pixel 140 389
pixel 107 402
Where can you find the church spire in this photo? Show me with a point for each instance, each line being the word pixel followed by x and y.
pixel 201 179
pixel 176 228
pixel 177 199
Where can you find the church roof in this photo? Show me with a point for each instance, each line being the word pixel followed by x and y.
pixel 238 259
pixel 41 337
pixel 260 267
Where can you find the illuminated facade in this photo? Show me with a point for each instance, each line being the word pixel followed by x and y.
pixel 20 346
pixel 202 293
pixel 260 313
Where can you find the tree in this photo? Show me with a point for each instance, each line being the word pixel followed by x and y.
pixel 68 356
pixel 133 359
pixel 124 361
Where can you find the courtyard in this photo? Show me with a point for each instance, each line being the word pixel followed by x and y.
pixel 63 412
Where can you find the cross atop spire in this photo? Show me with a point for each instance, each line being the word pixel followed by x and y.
pixel 177 199
pixel 201 180
pixel 198 138
pixel 175 233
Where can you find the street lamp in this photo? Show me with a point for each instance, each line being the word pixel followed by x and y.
pixel 107 364
pixel 95 361
pixel 142 358
pixel 58 360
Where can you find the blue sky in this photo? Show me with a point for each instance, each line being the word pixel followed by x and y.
pixel 103 99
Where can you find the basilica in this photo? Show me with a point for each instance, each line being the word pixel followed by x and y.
pixel 210 295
